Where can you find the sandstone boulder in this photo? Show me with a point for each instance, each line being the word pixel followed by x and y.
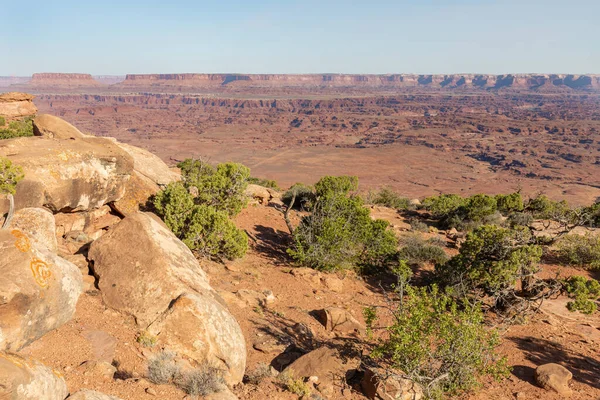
pixel 554 377
pixel 86 394
pixel 150 165
pixel 67 175
pixel 381 385
pixel 322 363
pixel 204 330
pixel 137 192
pixel 49 126
pixel 258 193
pixel 25 379
pixel 142 267
pixel 337 319
pixel 15 105
pixel 38 290
pixel 145 271
pixel 38 224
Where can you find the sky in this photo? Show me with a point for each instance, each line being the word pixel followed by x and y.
pixel 309 36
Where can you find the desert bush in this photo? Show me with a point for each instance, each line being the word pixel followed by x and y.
pixel 292 384
pixel 418 226
pixel 510 203
pixel 302 194
pixel 162 368
pixel 388 198
pixel 492 259
pixel 2 121
pixel 268 183
pixel 583 251
pixel 221 187
pixel 541 207
pixel 10 175
pixel 440 343
pixel 584 292
pixel 261 372
pixel 442 205
pixel 417 251
pixel 339 232
pixel 202 381
pixel 15 129
pixel 519 219
pixel 146 339
pixel 202 228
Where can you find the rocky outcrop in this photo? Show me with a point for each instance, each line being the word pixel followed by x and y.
pixel 68 175
pixel 15 105
pixel 378 384
pixel 38 290
pixel 49 126
pixel 25 379
pixel 150 165
pixel 338 320
pixel 145 271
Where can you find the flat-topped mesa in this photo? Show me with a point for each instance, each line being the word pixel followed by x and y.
pixel 452 81
pixel 47 79
pixel 6 81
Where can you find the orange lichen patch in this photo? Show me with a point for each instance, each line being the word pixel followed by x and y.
pixel 41 272
pixel 22 242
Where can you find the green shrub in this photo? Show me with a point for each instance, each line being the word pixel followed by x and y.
pixel 492 259
pixel 509 203
pixel 221 187
pixel 443 205
pixel 541 207
pixel 211 233
pixel 202 381
pixel 2 121
pixel 293 384
pixel 15 129
pixel 162 368
pixel 304 196
pixel 268 183
pixel 10 175
pixel 417 251
pixel 202 228
pixel 388 198
pixel 583 251
pixel 441 343
pixel 418 226
pixel 519 219
pixel 585 292
pixel 339 233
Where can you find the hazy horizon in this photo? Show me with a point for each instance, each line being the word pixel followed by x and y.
pixel 268 36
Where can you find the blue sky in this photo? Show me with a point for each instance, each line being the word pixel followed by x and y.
pixel 309 36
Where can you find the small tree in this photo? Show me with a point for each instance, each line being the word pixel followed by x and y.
pixel 584 292
pixel 339 233
pixel 221 187
pixel 491 261
pixel 583 251
pixel 16 129
pixel 440 342
pixel 10 175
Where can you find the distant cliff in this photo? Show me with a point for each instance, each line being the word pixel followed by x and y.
pixel 469 81
pixel 62 80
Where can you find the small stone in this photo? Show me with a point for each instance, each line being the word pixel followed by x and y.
pixel 151 391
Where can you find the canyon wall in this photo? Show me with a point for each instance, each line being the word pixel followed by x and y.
pixel 62 80
pixel 467 81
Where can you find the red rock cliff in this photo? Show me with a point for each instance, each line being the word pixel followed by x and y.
pixel 62 80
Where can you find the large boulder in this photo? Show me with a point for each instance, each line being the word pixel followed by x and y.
pixel 137 192
pixel 68 175
pixel 25 379
pixel 39 225
pixel 322 363
pixel 203 329
pixel 145 271
pixel 38 290
pixel 336 319
pixel 555 378
pixel 150 165
pixel 14 105
pixel 49 126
